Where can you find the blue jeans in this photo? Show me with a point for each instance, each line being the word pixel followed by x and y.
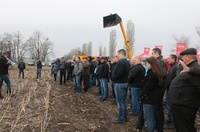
pixel 6 79
pixel 120 95
pixel 104 88
pixel 170 116
pixel 149 116
pixel 135 93
pixel 39 72
pixel 77 83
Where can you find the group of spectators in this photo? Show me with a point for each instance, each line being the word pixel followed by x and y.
pixel 147 83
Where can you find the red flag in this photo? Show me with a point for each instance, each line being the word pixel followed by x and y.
pixel 146 51
pixel 180 47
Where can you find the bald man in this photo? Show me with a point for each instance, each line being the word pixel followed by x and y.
pixel 135 78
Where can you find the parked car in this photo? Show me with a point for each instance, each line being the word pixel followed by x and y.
pixel 31 63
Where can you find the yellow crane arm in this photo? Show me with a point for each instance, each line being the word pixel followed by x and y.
pixel 128 47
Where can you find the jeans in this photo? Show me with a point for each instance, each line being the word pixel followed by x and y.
pixel 170 116
pixel 69 76
pixel 104 88
pixel 113 90
pixel 21 71
pixel 135 93
pixel 6 79
pixel 149 116
pixel 120 95
pixel 77 83
pixel 39 72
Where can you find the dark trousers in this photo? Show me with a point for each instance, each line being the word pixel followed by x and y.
pixel 159 111
pixel 86 82
pixel 21 71
pixel 69 76
pixel 62 74
pixel 184 118
pixel 55 77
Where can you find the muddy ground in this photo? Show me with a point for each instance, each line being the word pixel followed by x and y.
pixel 41 105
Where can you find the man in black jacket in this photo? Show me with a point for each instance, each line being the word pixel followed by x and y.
pixel 184 94
pixel 63 68
pixel 120 78
pixel 170 76
pixel 103 78
pixel 135 82
pixel 159 111
pixel 21 67
pixel 4 64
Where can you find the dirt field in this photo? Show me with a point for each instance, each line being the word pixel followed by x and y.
pixel 40 105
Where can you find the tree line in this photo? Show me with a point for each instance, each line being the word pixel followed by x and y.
pixel 36 46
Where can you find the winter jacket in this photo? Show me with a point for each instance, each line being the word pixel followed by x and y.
pixel 86 68
pixel 39 64
pixel 104 70
pixel 171 74
pixel 21 66
pixel 150 86
pixel 55 68
pixel 63 66
pixel 121 71
pixel 70 67
pixel 78 67
pixel 195 70
pixel 3 65
pixel 136 76
pixel 185 89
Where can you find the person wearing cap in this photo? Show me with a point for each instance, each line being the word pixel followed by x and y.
pixel 4 64
pixel 103 78
pixel 21 67
pixel 184 94
pixel 120 78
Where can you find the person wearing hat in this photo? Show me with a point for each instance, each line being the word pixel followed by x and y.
pixel 4 64
pixel 184 94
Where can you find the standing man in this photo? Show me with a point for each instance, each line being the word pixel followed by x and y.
pixel 103 78
pixel 170 76
pixel 135 80
pixel 184 94
pixel 78 67
pixel 39 68
pixel 159 111
pixel 63 68
pixel 21 67
pixel 120 78
pixel 86 73
pixel 4 64
pixel 70 67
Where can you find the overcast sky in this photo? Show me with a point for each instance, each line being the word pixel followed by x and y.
pixel 70 23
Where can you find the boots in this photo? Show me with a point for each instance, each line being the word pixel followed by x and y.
pixel 1 97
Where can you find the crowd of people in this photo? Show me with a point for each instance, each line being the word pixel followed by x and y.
pixel 147 82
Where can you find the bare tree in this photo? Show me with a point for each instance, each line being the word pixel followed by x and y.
pixel 89 48
pixel 19 46
pixel 131 34
pixel 112 43
pixel 104 51
pixel 100 50
pixel 39 46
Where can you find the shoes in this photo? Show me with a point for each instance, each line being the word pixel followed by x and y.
pixel 103 100
pixel 118 122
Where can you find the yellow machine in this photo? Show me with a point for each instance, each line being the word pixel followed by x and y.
pixel 113 20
